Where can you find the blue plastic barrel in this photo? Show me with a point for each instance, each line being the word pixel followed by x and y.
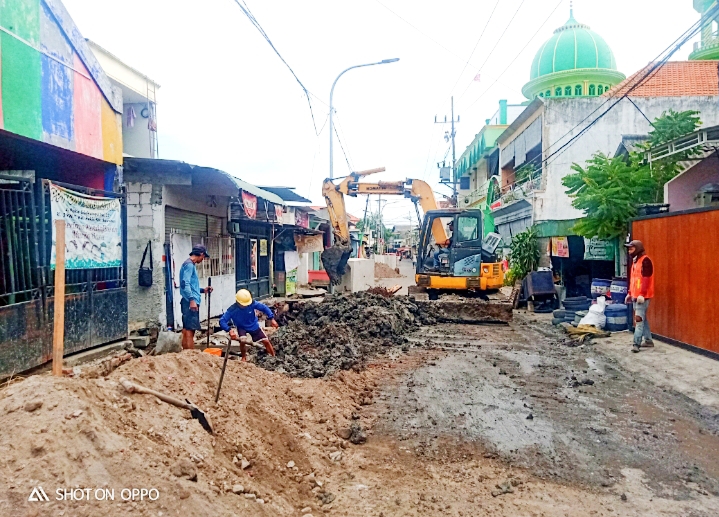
pixel 600 287
pixel 617 319
pixel 619 289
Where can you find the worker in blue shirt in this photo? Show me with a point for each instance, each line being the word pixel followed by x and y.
pixel 242 314
pixel 190 292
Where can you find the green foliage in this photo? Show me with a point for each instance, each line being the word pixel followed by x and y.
pixel 524 253
pixel 526 172
pixel 609 190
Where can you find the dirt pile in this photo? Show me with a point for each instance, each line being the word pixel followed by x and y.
pixel 384 271
pixel 276 445
pixel 342 333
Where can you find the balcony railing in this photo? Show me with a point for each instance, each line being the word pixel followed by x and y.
pixel 519 191
pixel 476 195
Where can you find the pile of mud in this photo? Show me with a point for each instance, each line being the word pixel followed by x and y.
pixel 345 331
pixel 341 333
pixel 384 271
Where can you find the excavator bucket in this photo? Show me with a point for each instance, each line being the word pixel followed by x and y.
pixel 334 260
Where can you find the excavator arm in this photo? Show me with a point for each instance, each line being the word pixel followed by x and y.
pixel 335 259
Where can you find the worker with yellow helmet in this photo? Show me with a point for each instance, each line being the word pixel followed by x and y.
pixel 243 315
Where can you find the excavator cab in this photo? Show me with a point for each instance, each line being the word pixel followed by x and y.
pixel 452 254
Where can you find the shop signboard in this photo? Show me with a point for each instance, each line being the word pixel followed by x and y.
pixel 302 219
pixel 598 249
pixel 249 201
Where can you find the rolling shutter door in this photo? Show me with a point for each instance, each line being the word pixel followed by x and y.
pixel 182 221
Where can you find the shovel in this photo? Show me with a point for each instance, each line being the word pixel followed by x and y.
pixel 195 412
pixel 224 364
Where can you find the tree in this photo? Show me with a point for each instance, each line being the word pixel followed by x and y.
pixel 609 190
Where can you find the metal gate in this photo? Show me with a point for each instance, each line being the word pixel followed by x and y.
pixel 95 300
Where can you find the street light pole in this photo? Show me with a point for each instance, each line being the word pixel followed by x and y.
pixel 332 92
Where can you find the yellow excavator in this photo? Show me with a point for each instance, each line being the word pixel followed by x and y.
pixel 463 262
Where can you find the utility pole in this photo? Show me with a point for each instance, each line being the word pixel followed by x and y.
pixel 447 137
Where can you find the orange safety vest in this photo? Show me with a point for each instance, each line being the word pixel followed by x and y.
pixel 635 288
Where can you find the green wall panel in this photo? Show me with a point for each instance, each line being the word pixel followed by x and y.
pixel 21 88
pixel 21 17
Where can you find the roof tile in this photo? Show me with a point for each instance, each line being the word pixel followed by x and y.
pixel 673 79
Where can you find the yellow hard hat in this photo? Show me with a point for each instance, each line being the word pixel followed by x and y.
pixel 243 297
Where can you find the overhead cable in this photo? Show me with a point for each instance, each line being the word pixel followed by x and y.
pixel 253 20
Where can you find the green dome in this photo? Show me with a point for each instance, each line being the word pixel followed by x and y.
pixel 574 46
pixel 575 62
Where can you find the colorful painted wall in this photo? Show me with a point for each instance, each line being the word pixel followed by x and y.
pixel 51 87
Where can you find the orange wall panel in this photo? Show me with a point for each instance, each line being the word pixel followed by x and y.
pixel 685 251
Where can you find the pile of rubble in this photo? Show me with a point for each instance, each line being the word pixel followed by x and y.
pixel 345 331
pixel 342 332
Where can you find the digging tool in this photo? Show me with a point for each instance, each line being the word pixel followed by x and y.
pixel 196 412
pixel 224 365
pixel 209 314
pixel 243 339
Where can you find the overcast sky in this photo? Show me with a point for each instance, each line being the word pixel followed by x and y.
pixel 227 101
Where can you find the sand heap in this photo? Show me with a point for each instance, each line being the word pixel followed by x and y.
pixel 276 439
pixel 384 271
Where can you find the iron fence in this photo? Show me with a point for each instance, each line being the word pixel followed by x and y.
pixel 26 244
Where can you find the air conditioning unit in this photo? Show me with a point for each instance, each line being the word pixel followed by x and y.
pixel 708 195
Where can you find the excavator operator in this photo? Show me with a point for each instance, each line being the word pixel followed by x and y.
pixel 444 247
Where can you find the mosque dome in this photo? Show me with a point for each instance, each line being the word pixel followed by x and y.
pixel 576 60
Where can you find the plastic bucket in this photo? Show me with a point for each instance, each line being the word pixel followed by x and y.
pixel 617 317
pixel 619 289
pixel 600 287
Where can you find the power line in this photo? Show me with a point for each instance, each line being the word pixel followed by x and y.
pixel 515 57
pixel 349 152
pixel 476 45
pixel 651 70
pixel 253 20
pixel 500 37
pixel 343 149
pixel 431 39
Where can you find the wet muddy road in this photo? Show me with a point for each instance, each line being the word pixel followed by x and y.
pixel 566 414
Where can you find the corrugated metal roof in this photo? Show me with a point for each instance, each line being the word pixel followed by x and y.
pixel 287 194
pixel 151 165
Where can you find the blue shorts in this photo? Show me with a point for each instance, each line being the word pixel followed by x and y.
pixel 257 334
pixel 190 318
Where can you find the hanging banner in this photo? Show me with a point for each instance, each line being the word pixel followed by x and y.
pixel 309 243
pixel 93 229
pixel 598 249
pixel 302 219
pixel 250 203
pixel 278 213
pixel 560 247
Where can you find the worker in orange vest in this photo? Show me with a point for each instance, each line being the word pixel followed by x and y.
pixel 641 291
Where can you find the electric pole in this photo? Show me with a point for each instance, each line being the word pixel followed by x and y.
pixel 447 137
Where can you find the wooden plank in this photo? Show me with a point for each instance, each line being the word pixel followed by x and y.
pixel 58 335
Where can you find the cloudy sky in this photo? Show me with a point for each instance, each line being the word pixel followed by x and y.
pixel 227 101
